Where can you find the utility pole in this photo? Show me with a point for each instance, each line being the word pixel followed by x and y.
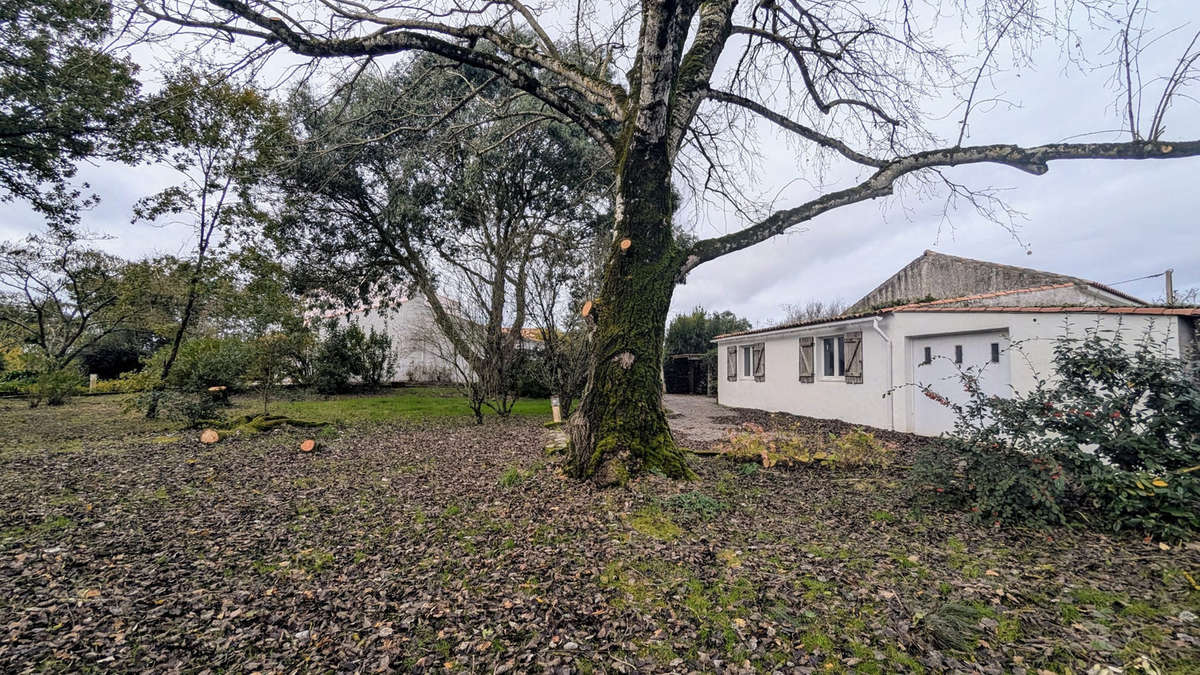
pixel 1170 286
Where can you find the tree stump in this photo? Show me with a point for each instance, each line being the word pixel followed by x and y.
pixel 209 436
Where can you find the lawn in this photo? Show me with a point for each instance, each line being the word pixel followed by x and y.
pixel 435 544
pixel 405 404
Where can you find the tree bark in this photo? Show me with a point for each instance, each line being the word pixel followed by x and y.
pixel 619 429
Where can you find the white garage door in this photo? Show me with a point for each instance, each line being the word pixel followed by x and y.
pixel 937 361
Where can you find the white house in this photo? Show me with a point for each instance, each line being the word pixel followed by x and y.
pixel 421 353
pixel 868 367
pixel 419 350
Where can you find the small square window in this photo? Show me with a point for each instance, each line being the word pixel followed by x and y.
pixel 958 353
pixel 995 352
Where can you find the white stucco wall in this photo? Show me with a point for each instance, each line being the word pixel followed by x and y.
pixel 1032 334
pixel 417 343
pixel 782 390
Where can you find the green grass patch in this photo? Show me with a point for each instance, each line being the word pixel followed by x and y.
pixel 652 522
pixel 696 503
pixel 1097 598
pixel 883 517
pixel 394 405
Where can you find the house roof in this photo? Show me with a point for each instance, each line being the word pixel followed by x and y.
pixel 941 306
pixel 1081 309
pixel 939 275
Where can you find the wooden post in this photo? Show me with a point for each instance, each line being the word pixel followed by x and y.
pixel 1170 286
pixel 92 381
pixel 555 409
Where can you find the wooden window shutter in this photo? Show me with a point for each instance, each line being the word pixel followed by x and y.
pixel 731 365
pixel 806 359
pixel 759 357
pixel 854 358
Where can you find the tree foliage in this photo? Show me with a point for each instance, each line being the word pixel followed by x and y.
pixel 64 97
pixel 375 199
pixel 61 297
pixel 693 333
pixel 849 83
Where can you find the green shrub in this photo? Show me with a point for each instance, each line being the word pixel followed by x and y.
pixel 127 383
pixel 193 409
pixel 1111 441
pixel 53 388
pixel 376 358
pixel 16 381
pixel 209 362
pixel 339 358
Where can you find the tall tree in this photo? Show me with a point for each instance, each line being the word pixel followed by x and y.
pixel 64 97
pixel 221 136
pixel 693 333
pixel 848 80
pixel 460 210
pixel 62 297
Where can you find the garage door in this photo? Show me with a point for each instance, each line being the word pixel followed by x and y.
pixel 937 361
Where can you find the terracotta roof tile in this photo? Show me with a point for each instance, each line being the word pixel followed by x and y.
pixel 1088 309
pixel 933 307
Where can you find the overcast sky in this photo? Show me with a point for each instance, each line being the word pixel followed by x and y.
pixel 1106 221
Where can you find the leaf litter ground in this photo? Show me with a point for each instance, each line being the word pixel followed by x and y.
pixel 451 546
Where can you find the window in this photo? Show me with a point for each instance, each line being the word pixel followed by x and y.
pixel 928 357
pixel 747 364
pixel 958 353
pixel 995 352
pixel 834 356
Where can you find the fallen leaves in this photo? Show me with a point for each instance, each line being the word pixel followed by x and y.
pixel 395 549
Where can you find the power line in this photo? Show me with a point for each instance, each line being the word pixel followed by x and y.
pixel 1148 276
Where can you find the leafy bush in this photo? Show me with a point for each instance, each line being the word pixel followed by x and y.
pixel 376 358
pixel 54 387
pixel 194 409
pixel 346 353
pixel 1112 441
pixel 128 383
pixel 339 358
pixel 17 381
pixel 209 362
pixel 860 448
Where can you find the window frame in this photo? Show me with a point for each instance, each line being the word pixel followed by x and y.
pixel 839 351
pixel 747 357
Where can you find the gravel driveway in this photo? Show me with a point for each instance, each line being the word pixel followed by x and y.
pixel 695 417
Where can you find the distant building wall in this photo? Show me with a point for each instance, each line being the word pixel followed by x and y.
pixel 943 276
pixel 419 349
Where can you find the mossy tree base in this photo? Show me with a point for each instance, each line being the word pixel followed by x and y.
pixel 619 429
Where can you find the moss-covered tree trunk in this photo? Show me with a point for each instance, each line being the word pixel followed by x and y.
pixel 619 428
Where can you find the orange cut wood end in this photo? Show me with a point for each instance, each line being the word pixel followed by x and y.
pixel 625 244
pixel 218 388
pixel 209 436
pixel 308 445
pixel 587 308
